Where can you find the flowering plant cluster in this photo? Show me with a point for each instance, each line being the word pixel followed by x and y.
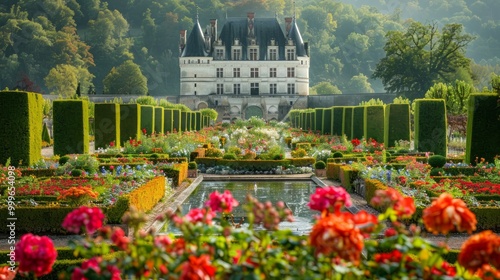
pixel 77 196
pixel 341 245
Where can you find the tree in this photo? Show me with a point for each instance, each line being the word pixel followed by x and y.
pixel 126 79
pixel 456 96
pixel 211 113
pixel 422 56
pixel 360 84
pixel 325 88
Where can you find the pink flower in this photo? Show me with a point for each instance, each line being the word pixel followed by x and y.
pixel 119 239
pixel 163 241
pixel 200 215
pixel 330 199
pixel 90 218
pixel 35 254
pixel 111 271
pixel 223 203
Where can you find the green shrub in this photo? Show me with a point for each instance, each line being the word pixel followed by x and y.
pixel 234 150
pixel 148 119
pixel 358 121
pixel 302 161
pixel 338 121
pixel 159 120
pixel 130 122
pixel 176 120
pixel 320 164
pixel 76 172
pixel 185 121
pixel 45 134
pixel 437 171
pixel 337 155
pixel 106 124
pixel 63 160
pixel 318 124
pixel 299 153
pixel 374 122
pixel 430 126
pixel 483 123
pixel 21 133
pixel 436 161
pixel 327 121
pixel 168 120
pixel 347 121
pixel 397 123
pixel 229 156
pixel 305 146
pixel 192 165
pixel 71 127
pixel 213 152
pixel 198 120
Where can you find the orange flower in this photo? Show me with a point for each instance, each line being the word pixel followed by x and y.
pixel 337 235
pixel 479 250
pixel 446 213
pixel 486 272
pixel 365 221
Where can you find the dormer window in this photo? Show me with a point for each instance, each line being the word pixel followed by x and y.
pixel 272 53
pixel 253 53
pixel 219 53
pixel 290 53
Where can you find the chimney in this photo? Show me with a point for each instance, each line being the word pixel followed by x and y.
pixel 250 15
pixel 182 40
pixel 213 29
pixel 288 25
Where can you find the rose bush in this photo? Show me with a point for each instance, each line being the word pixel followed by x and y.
pixel 341 245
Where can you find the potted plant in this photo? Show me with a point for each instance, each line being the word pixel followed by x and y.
pixel 192 169
pixel 320 168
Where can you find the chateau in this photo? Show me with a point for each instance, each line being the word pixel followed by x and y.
pixel 253 67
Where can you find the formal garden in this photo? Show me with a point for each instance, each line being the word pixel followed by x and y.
pixel 395 156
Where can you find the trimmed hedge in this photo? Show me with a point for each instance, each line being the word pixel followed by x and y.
pixel 21 134
pixel 130 122
pixel 304 161
pixel 333 170
pixel 347 175
pixel 159 120
pixel 168 120
pixel 483 128
pixel 430 126
pixel 184 121
pixel 147 119
pixel 358 122
pixel 176 120
pixel 198 121
pixel 371 186
pixel 318 124
pixel 178 172
pixel 347 130
pixel 374 123
pixel 148 195
pixel 397 123
pixel 327 121
pixel 106 124
pixel 338 121
pixel 71 127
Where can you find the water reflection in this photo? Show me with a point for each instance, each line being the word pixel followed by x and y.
pixel 295 194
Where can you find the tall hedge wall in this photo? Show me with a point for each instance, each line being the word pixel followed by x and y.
pixel 338 120
pixel 302 120
pixel 199 121
pixel 176 120
pixel 374 122
pixel 327 121
pixel 185 121
pixel 430 126
pixel 106 124
pixel 148 118
pixel 483 127
pixel 70 127
pixel 168 120
pixel 358 122
pixel 21 134
pixel 310 120
pixel 130 122
pixel 318 123
pixel 397 123
pixel 348 121
pixel 159 120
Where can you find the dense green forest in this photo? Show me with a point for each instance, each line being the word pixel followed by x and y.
pixel 131 46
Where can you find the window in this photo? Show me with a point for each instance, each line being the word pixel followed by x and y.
pixel 290 72
pixel 272 72
pixel 253 53
pixel 236 72
pixel 290 54
pixel 219 54
pixel 273 89
pixel 236 88
pixel 237 54
pixel 291 89
pixel 273 54
pixel 220 88
pixel 254 88
pixel 220 72
pixel 254 72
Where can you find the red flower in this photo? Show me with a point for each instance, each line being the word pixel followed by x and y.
pixel 144 131
pixel 446 213
pixel 35 254
pixel 337 235
pixel 404 206
pixel 6 273
pixel 223 203
pixel 390 232
pixel 330 199
pixel 395 256
pixel 355 142
pixel 112 144
pixel 479 250
pixel 197 268
pixel 111 271
pixel 365 221
pixel 89 218
pixel 200 215
pixel 119 239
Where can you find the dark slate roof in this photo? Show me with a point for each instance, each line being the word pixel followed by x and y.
pixel 195 45
pixel 294 34
pixel 265 29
